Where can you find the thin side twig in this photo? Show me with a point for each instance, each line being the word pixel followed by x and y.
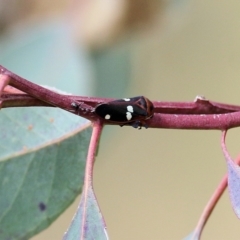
pixel 214 198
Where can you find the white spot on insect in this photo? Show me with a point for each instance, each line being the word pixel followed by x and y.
pixel 107 116
pixel 128 116
pixel 126 99
pixel 130 109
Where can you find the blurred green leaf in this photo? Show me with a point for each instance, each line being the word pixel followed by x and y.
pixel 113 70
pixel 46 53
pixel 42 162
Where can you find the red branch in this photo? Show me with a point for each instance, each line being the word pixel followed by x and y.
pixel 200 114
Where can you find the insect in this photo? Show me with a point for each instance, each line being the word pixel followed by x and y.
pixel 127 110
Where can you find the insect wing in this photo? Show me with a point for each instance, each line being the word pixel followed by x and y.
pixel 112 112
pixel 126 110
pixel 139 105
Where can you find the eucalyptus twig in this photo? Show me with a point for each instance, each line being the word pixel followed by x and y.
pixel 45 95
pixel 199 114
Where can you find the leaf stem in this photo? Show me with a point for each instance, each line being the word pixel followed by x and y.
pixel 215 196
pixel 88 179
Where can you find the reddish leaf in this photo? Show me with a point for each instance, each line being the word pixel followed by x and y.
pixel 233 178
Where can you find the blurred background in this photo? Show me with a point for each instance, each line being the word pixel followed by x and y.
pixel 151 184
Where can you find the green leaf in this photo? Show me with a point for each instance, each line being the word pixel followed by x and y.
pixel 42 162
pixel 88 222
pixel 193 236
